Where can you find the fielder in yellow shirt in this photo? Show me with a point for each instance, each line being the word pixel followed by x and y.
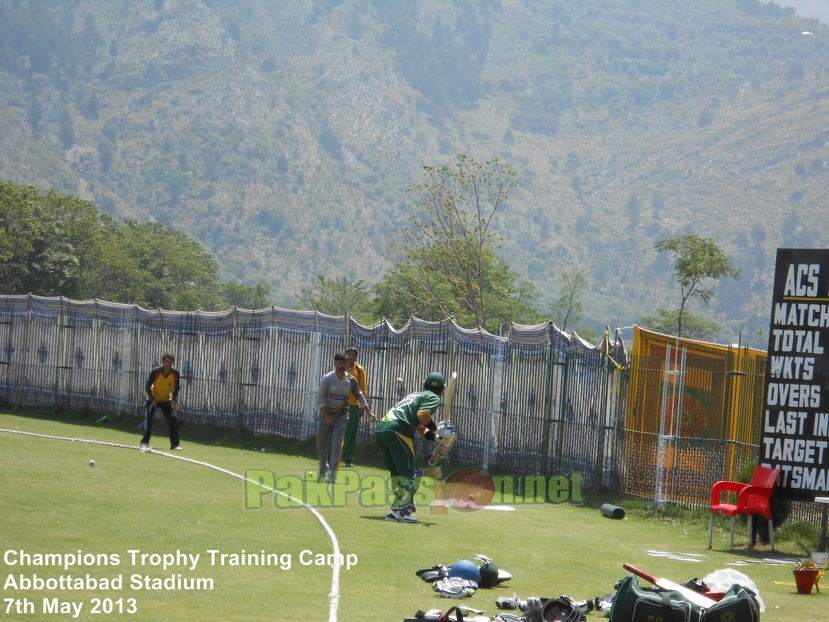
pixel 162 389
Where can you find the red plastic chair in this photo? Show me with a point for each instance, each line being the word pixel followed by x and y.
pixel 753 498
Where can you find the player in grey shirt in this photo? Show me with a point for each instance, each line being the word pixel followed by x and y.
pixel 332 401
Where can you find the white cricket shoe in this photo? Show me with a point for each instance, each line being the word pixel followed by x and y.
pixel 401 516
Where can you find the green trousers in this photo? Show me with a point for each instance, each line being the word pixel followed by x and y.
pixel 397 453
pixel 350 438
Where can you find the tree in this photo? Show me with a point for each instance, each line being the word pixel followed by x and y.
pixel 34 113
pixel 19 227
pixel 633 210
pixel 330 142
pixel 52 245
pixel 66 133
pixel 568 307
pixel 119 277
pixel 105 149
pixel 404 293
pixel 694 327
pixel 49 245
pixel 795 72
pixel 444 263
pixel 246 296
pixel 697 259
pixel 76 234
pixel 91 106
pixel 180 274
pixel 336 297
pixel 758 234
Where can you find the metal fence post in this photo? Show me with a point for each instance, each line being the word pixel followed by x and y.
pixel 314 355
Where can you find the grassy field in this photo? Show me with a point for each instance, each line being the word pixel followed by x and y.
pixel 53 501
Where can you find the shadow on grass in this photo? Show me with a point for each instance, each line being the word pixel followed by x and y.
pixel 189 433
pixel 203 434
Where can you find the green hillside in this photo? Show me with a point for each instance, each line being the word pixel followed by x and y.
pixel 283 134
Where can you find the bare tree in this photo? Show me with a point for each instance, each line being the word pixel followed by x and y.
pixel 696 259
pixel 446 257
pixel 568 307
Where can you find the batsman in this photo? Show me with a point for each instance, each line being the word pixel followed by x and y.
pixel 395 434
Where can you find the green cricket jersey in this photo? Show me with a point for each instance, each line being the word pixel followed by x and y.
pixel 402 418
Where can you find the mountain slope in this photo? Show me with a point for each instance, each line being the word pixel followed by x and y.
pixel 283 135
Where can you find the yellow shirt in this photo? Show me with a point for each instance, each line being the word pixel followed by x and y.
pixel 360 374
pixel 161 388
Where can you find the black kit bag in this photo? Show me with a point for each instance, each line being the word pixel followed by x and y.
pixel 634 603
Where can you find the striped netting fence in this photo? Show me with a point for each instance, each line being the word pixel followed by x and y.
pixel 537 401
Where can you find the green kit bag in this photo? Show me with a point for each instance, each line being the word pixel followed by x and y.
pixel 738 605
pixel 634 603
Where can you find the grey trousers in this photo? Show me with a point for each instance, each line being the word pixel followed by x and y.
pixel 330 442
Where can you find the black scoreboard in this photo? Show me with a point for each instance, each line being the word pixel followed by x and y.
pixel 794 431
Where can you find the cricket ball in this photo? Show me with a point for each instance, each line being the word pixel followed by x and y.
pixel 399 381
pixel 91 463
pixel 468 490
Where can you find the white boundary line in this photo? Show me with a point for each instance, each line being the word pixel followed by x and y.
pixel 333 596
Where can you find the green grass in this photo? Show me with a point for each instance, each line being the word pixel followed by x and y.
pixel 52 501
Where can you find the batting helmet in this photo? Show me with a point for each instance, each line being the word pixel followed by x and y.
pixel 562 609
pixel 490 575
pixel 465 569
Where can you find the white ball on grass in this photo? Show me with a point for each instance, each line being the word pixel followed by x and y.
pixel 91 463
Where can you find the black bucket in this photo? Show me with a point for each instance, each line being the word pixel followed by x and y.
pixel 613 511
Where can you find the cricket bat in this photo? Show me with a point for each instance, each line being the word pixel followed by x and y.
pixel 446 444
pixel 690 595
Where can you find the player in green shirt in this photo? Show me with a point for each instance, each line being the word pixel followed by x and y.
pixel 395 436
